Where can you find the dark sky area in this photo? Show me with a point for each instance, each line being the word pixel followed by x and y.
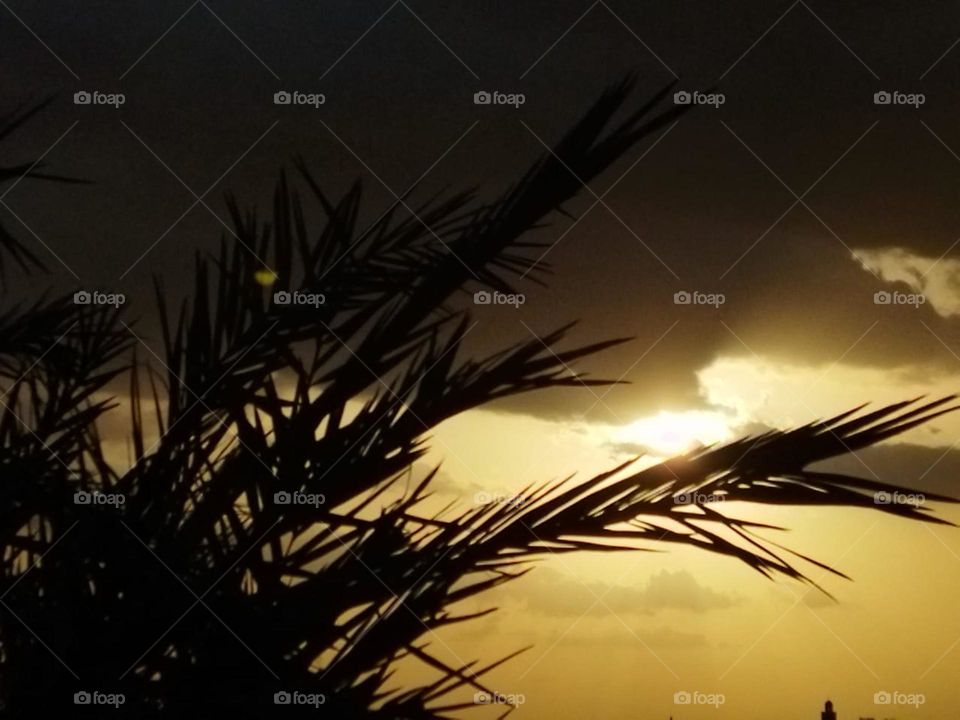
pixel 707 206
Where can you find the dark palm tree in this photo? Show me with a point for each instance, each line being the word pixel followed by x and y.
pixel 201 595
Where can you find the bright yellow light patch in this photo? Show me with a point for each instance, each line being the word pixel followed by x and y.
pixel 670 433
pixel 265 277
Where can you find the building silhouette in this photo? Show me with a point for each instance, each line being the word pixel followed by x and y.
pixel 828 713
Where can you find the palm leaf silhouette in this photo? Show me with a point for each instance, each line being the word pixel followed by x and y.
pixel 24 258
pixel 200 595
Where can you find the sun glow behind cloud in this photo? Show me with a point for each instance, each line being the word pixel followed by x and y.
pixel 671 433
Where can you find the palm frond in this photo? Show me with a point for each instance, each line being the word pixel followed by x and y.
pixel 10 246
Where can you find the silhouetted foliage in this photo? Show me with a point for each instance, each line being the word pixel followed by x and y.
pixel 199 595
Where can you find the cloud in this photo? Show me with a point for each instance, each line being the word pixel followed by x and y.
pixel 553 594
pixel 681 590
pixel 443 482
pixel 926 469
pixel 632 449
pixel 761 391
pixel 938 279
pixel 656 638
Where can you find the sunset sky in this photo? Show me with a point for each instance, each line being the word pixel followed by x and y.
pixel 798 200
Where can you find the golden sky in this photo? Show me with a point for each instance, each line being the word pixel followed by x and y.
pixel 617 635
pixel 622 633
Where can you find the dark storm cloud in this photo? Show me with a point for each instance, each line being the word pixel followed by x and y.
pixel 925 469
pixel 762 199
